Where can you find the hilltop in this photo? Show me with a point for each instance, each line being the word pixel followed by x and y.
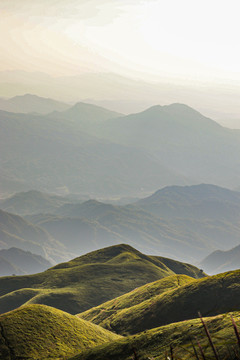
pixel 89 280
pixel 39 331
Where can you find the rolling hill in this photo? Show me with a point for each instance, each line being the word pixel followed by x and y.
pixel 89 280
pixel 41 332
pixel 157 343
pixel 179 301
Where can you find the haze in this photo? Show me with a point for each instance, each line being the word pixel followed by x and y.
pixel 187 51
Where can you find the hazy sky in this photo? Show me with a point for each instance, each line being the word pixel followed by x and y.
pixel 153 39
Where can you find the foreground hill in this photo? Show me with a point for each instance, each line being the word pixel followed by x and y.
pixel 213 295
pixel 29 103
pixel 89 280
pixel 21 262
pixel 220 261
pixel 41 332
pixel 155 343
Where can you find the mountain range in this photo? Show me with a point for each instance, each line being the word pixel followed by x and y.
pixel 90 150
pixel 181 222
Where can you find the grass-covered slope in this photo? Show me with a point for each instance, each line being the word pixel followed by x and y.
pixel 87 281
pixel 155 343
pixel 104 313
pixel 213 295
pixel 42 332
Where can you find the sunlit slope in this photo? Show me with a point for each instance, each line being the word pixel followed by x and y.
pixel 103 313
pixel 87 281
pixel 41 332
pixel 155 343
pixel 212 295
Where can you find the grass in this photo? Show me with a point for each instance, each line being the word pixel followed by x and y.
pixel 105 313
pixel 140 310
pixel 84 282
pixel 42 332
pixel 174 341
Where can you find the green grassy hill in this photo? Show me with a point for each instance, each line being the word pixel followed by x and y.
pixel 212 295
pixel 42 332
pixel 155 343
pixel 87 281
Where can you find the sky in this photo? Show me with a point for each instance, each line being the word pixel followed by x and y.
pixel 184 42
pixel 151 39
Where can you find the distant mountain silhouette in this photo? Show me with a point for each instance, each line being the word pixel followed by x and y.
pixel 50 154
pixel 221 261
pixel 184 140
pixel 21 262
pixel 32 202
pixel 29 103
pixel 19 233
